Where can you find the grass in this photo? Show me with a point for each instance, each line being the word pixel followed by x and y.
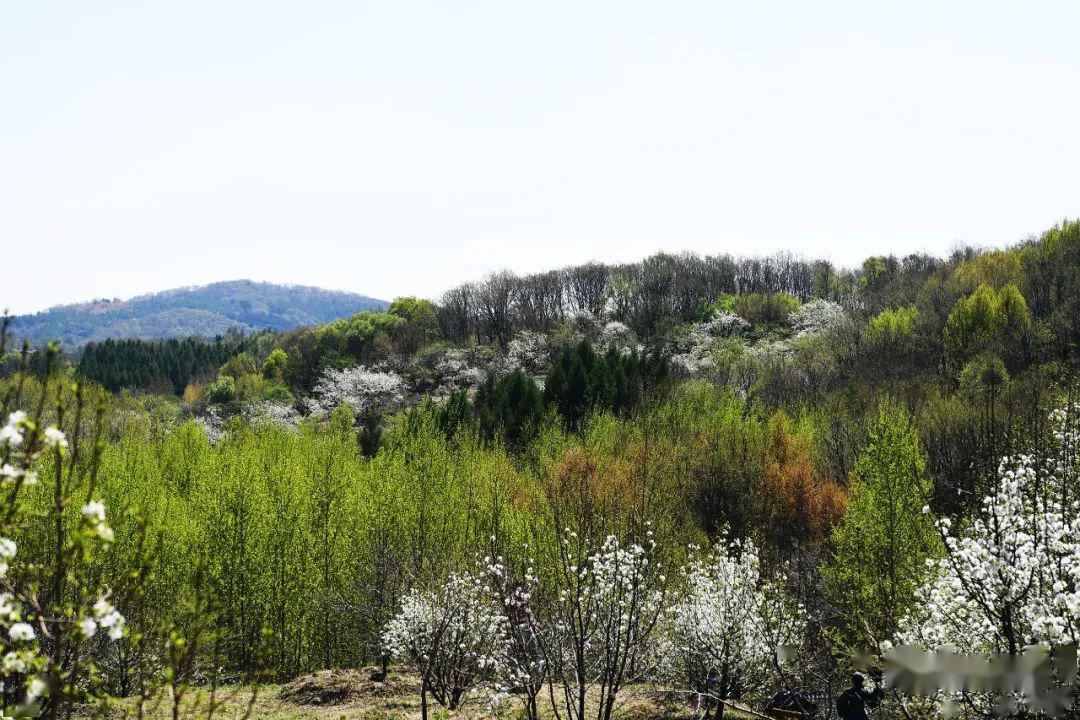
pixel 354 695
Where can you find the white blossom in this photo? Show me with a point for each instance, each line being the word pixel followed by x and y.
pixel 1010 577
pixel 21 632
pixel 55 438
pixel 817 316
pixel 94 511
pixel 11 434
pixel 693 353
pixel 362 389
pixel 619 337
pixel 36 688
pixel 87 627
pixel 723 633
pixel 529 351
pixel 457 627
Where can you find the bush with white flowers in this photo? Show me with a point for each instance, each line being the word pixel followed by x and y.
pixel 524 670
pixel 619 337
pixel 1011 577
pixel 455 636
pixel 605 608
pixel 530 352
pixel 693 353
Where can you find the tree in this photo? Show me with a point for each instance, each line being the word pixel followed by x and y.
pixel 721 637
pixel 363 390
pixel 605 606
pixel 221 391
pixel 276 366
pixel 1008 578
pixel 421 323
pixel 455 636
pixel 799 506
pixel 987 321
pixel 51 611
pixel 511 406
pixel 880 547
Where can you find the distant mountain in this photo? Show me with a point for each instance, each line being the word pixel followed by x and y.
pixel 207 310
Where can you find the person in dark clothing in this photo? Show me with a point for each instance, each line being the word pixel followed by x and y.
pixel 794 700
pixel 853 702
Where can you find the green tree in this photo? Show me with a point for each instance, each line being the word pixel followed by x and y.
pixel 880 547
pixel 221 391
pixel 987 321
pixel 421 323
pixel 276 365
pixel 511 406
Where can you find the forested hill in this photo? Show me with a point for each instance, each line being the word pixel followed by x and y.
pixel 207 311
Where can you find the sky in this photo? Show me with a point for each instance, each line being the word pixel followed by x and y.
pixel 401 148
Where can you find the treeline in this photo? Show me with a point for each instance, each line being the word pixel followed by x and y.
pixel 676 288
pixel 908 317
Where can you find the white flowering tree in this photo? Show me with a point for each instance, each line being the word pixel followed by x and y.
pixel 455 636
pixel 460 369
pixel 817 316
pixel 600 621
pixel 619 337
pixel 694 353
pixel 1010 577
pixel 524 671
pixel 364 390
pixel 721 637
pixel 50 611
pixel 530 352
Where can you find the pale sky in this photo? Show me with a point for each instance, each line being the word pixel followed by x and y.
pixel 402 147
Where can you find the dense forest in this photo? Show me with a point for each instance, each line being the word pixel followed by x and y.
pixel 551 486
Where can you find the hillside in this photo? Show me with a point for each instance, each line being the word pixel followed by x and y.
pixel 208 311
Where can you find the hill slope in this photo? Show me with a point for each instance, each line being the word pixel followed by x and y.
pixel 208 310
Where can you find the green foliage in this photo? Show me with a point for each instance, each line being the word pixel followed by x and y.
pixel 767 309
pixel 511 407
pixel 984 375
pixel 362 337
pixel 276 365
pixel 880 548
pixel 221 391
pixel 892 327
pixel 162 366
pixel 986 321
pixel 421 323
pixel 581 381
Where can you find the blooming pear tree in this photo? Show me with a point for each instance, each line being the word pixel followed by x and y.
pixel 524 671
pixel 601 621
pixel 455 636
pixel 1010 577
pixel 722 635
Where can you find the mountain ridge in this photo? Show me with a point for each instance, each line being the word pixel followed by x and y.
pixel 205 310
